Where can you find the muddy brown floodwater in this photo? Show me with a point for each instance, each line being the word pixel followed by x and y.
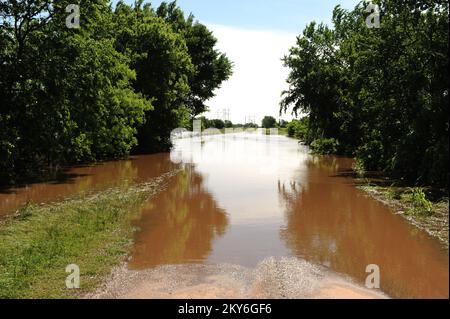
pixel 84 179
pixel 244 199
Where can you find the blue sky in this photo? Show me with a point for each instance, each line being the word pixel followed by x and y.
pixel 281 15
pixel 256 34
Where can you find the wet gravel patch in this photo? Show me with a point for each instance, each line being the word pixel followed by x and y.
pixel 273 278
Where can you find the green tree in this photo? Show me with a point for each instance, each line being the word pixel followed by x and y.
pixel 228 124
pixel 122 81
pixel 269 122
pixel 162 63
pixel 66 94
pixel 315 80
pixel 382 93
pixel 218 124
pixel 211 67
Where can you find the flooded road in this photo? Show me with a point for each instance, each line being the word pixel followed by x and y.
pixel 79 180
pixel 243 198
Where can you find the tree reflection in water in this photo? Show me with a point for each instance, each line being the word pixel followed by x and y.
pixel 331 222
pixel 179 225
pixel 90 178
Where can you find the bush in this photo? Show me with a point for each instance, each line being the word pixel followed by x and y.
pixel 298 129
pixel 325 146
pixel 371 155
pixel 422 205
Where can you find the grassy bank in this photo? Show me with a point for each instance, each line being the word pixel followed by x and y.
pixel 93 232
pixel 429 213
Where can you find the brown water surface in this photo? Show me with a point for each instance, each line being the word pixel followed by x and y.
pixel 86 179
pixel 243 198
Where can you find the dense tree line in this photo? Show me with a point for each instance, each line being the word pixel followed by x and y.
pixel 380 94
pixel 119 83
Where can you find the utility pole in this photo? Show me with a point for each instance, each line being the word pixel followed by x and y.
pixel 227 114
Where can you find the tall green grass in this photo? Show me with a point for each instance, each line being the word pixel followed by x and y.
pixel 92 232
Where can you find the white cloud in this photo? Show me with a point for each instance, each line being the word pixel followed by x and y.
pixel 259 76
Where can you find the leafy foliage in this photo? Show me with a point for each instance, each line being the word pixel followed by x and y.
pixel 121 82
pixel 211 67
pixel 381 93
pixel 268 122
pixel 421 204
pixel 214 123
pixel 325 146
pixel 298 129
